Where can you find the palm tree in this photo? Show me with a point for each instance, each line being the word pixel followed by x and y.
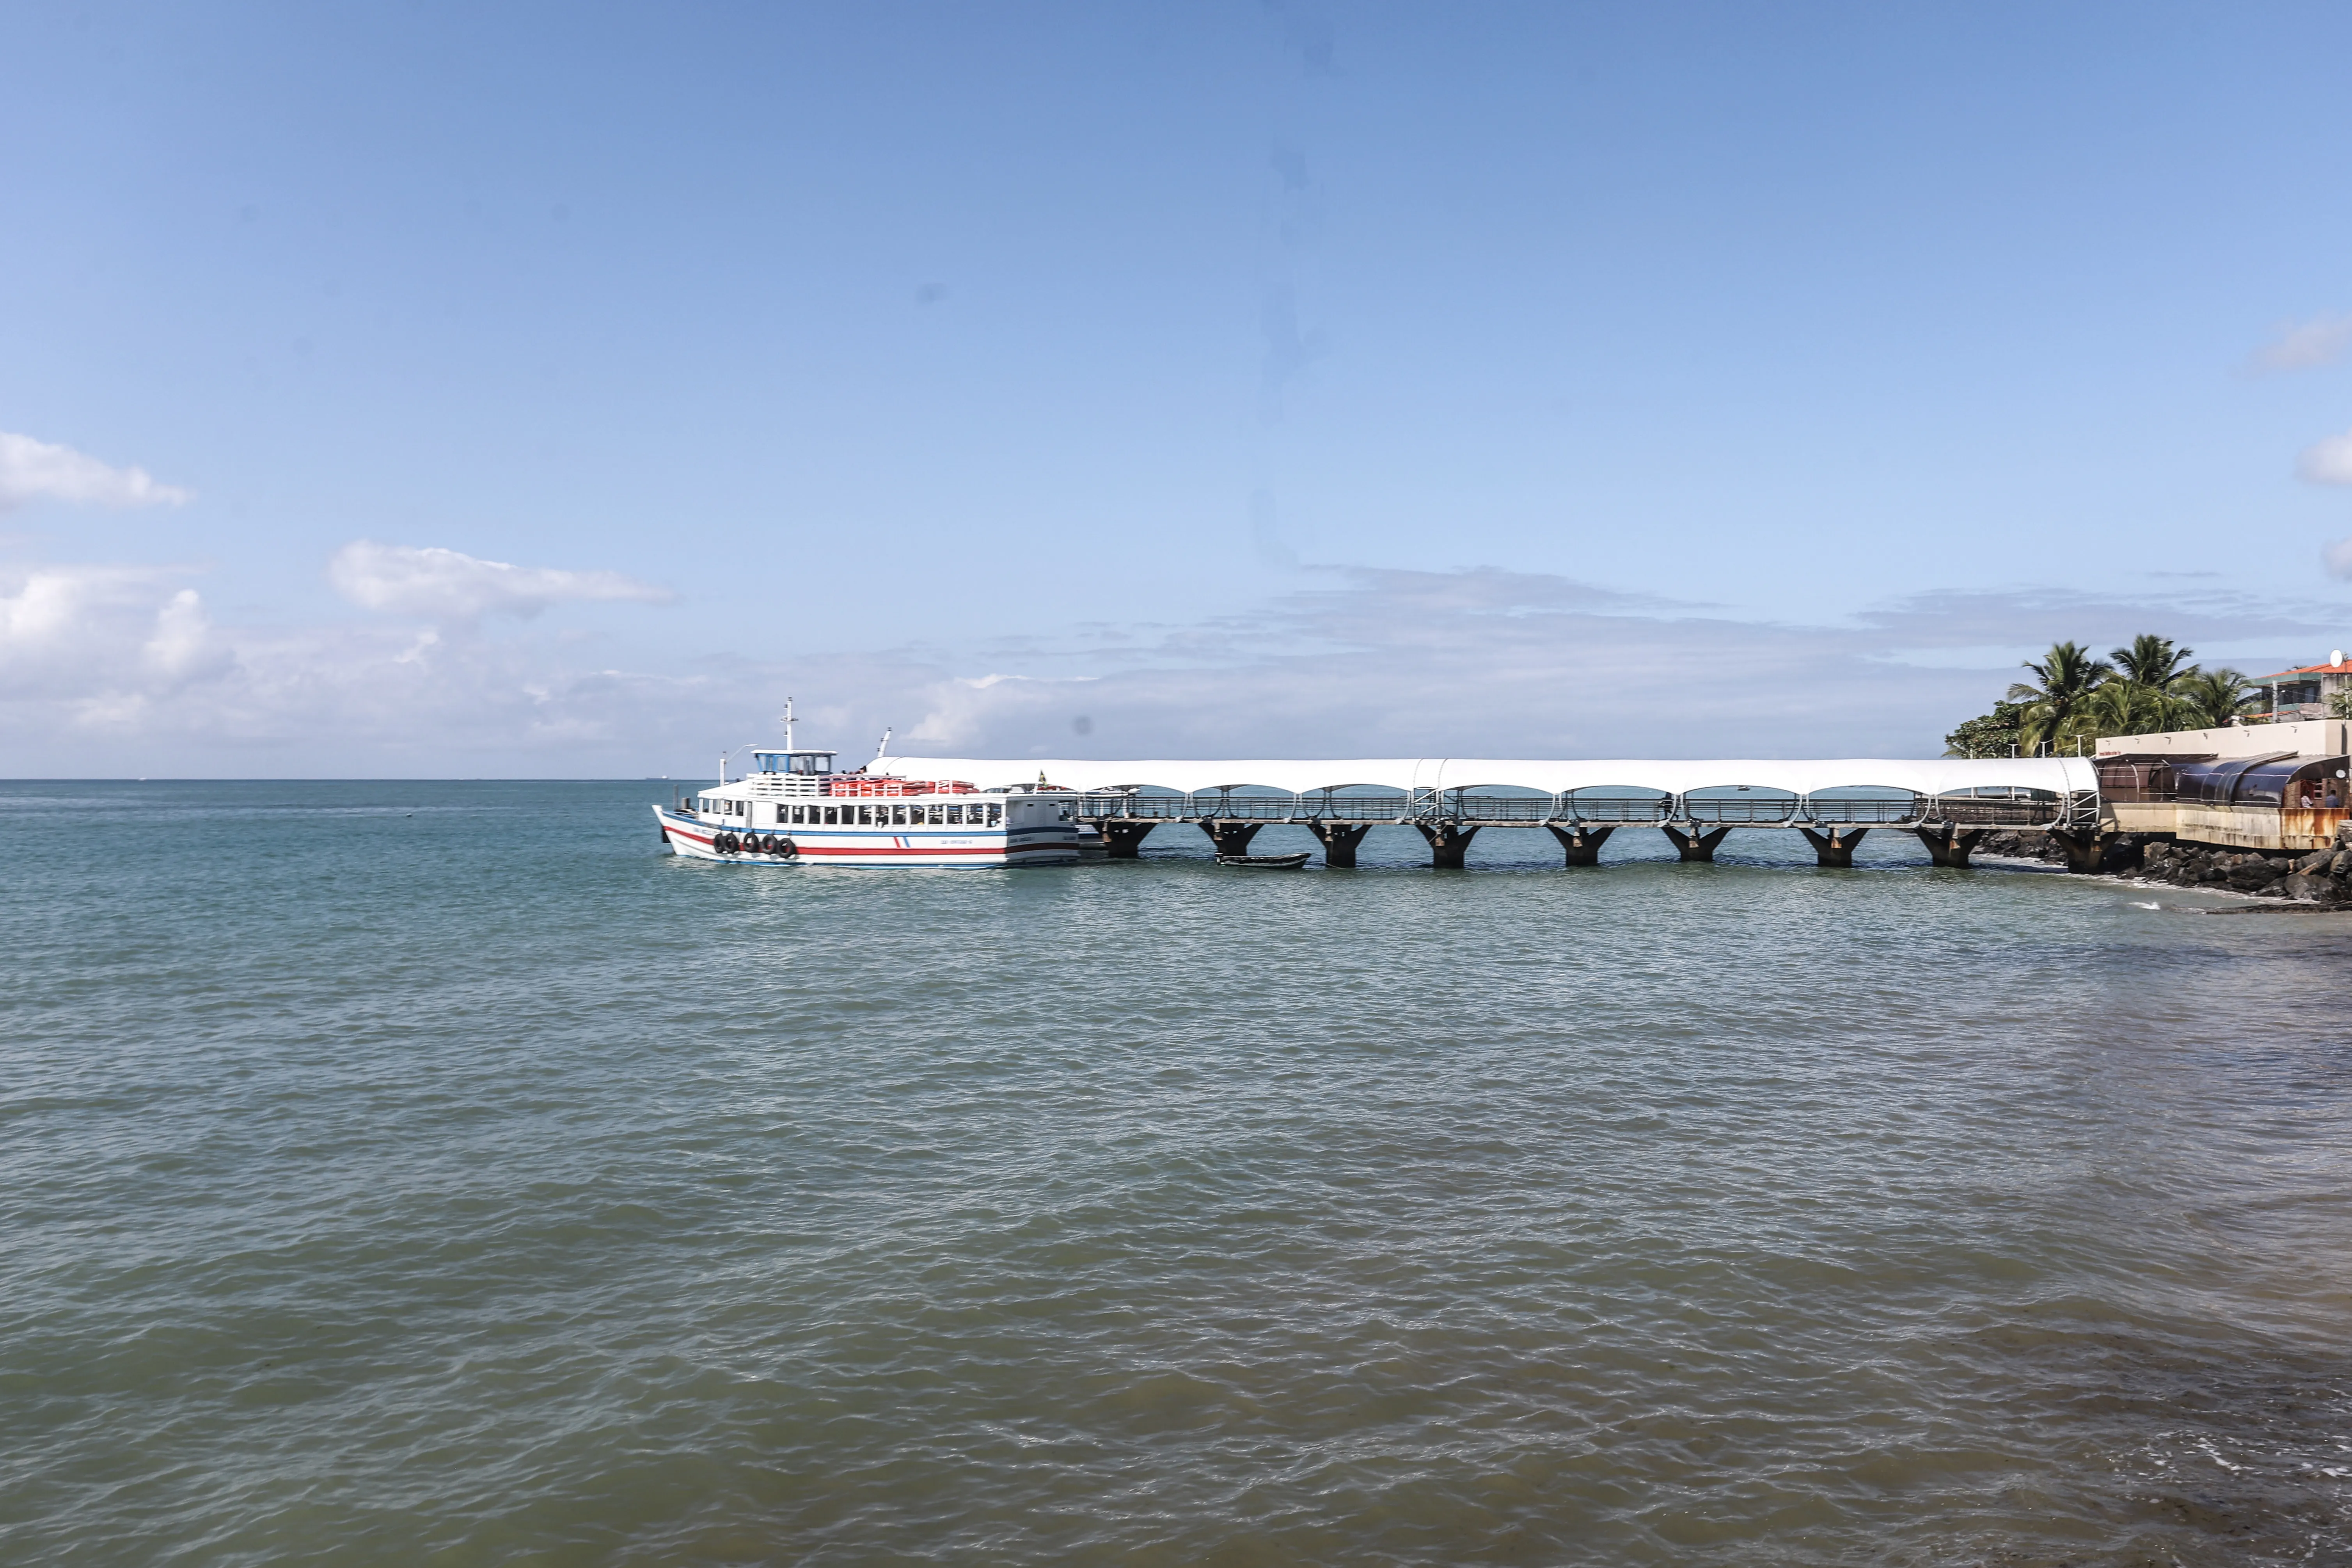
pixel 2118 708
pixel 2152 661
pixel 2209 699
pixel 2067 675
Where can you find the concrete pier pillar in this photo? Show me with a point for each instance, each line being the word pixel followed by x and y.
pixel 1340 840
pixel 1833 845
pixel 1448 842
pixel 1231 838
pixel 2085 851
pixel 1693 845
pixel 1582 844
pixel 1123 839
pixel 1949 846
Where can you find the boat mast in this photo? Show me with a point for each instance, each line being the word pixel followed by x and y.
pixel 788 726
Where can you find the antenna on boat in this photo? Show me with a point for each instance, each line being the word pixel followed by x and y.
pixel 788 724
pixel 883 750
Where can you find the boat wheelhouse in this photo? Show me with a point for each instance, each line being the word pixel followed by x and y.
pixel 795 809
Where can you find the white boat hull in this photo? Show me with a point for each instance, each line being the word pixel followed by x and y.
pixel 903 846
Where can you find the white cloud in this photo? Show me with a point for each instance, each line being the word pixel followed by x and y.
pixel 2305 345
pixel 183 647
pixel 122 670
pixel 446 584
pixel 2327 462
pixel 32 470
pixel 88 646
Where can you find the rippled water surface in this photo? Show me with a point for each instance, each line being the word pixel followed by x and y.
pixel 438 1173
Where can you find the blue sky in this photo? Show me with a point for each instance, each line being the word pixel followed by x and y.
pixel 548 390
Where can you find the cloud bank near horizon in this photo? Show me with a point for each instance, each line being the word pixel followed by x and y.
pixel 108 671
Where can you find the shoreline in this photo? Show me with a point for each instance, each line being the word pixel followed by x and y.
pixel 2315 882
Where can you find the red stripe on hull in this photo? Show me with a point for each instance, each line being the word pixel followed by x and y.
pixel 888 852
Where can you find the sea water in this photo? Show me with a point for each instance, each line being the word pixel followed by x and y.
pixel 440 1174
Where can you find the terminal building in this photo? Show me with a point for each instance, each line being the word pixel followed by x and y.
pixel 2277 786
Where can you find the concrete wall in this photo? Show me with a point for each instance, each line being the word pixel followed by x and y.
pixel 2311 738
pixel 2139 816
pixel 2237 826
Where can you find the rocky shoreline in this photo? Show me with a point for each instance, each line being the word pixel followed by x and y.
pixel 2320 877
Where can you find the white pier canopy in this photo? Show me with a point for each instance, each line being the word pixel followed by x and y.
pixel 1949 803
pixel 1418 775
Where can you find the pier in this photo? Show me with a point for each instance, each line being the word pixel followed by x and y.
pixel 1948 803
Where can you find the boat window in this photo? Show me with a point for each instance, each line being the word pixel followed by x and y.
pixel 995 814
pixel 936 817
pixel 831 813
pixel 898 817
pixel 955 816
pixel 865 815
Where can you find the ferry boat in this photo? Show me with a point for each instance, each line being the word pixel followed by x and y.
pixel 795 809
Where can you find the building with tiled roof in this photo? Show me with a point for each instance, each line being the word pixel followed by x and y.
pixel 2304 691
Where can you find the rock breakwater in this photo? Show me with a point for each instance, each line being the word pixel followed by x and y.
pixel 2320 877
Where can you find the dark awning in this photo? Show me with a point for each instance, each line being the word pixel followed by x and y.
pixel 2276 783
pixel 2242 781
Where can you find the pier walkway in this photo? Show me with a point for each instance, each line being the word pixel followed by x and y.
pixel 1949 803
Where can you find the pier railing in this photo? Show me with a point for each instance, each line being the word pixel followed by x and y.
pixel 1470 807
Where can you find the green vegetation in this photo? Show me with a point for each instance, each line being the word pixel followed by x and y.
pixel 2073 699
pixel 1992 734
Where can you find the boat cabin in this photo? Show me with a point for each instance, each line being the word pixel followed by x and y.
pixel 812 764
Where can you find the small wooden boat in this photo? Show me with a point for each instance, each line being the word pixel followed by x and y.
pixel 1267 862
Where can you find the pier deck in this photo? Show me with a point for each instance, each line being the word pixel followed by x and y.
pixel 1948 803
